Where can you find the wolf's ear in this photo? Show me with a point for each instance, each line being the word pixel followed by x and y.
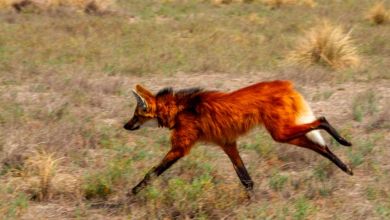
pixel 145 99
pixel 143 92
pixel 141 102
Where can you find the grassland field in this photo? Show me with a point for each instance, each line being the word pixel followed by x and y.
pixel 66 75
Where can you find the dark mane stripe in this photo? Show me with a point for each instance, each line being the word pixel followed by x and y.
pixel 179 93
pixel 189 98
pixel 189 91
pixel 164 91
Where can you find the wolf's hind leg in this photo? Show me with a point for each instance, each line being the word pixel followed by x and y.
pixel 323 150
pixel 332 131
pixel 287 133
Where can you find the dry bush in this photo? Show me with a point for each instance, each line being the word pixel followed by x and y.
pixel 42 179
pixel 325 44
pixel 221 2
pixel 67 185
pixel 42 166
pixel 5 4
pixel 309 3
pixel 278 3
pixel 88 6
pixel 226 2
pixel 244 1
pixel 378 13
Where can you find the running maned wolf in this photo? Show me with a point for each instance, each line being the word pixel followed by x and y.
pixel 211 116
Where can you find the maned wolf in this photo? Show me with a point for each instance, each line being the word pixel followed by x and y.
pixel 197 115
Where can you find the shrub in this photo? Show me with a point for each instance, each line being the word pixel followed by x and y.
pixel 327 45
pixel 88 6
pixel 277 3
pixel 44 166
pixel 378 14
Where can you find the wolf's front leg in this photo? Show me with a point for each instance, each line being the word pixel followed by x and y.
pixel 183 138
pixel 231 150
pixel 172 156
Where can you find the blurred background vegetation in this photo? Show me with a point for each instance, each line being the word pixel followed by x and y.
pixel 67 68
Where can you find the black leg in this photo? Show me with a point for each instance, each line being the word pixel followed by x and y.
pixel 238 164
pixel 171 158
pixel 323 150
pixel 332 157
pixel 332 131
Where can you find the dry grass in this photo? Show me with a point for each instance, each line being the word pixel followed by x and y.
pixel 255 19
pixel 4 4
pixel 43 166
pixel 278 3
pixel 42 179
pixel 378 14
pixel 309 3
pixel 227 2
pixel 281 3
pixel 87 6
pixel 365 103
pixel 65 85
pixel 270 3
pixel 382 120
pixel 328 45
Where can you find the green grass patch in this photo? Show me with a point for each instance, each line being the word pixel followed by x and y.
pixel 323 170
pixel 277 181
pixel 14 207
pixel 262 144
pixel 303 208
pixel 363 150
pixel 364 104
pixel 100 184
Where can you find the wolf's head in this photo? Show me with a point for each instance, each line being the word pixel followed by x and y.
pixel 145 110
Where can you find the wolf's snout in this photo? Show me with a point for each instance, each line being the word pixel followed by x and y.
pixel 126 126
pixel 129 127
pixel 133 124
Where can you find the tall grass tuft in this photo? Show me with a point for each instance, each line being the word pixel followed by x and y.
pixel 44 165
pixel 221 2
pixel 278 3
pixel 88 6
pixel 378 14
pixel 4 4
pixel 327 45
pixel 309 3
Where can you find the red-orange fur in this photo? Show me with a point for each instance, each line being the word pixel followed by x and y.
pixel 223 117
